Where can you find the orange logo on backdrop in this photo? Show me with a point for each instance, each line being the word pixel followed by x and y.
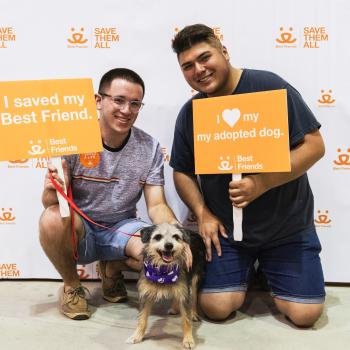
pixel 217 31
pixel 6 216
pixel 242 133
pixel 313 36
pixel 326 98
pixel 45 118
pixel 286 37
pixel 18 161
pixel 7 35
pixel 9 270
pixel 166 157
pixel 77 38
pixel 323 218
pixel 104 36
pixel 343 161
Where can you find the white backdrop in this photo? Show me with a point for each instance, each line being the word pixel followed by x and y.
pixel 306 42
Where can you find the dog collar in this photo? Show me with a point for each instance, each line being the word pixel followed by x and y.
pixel 161 274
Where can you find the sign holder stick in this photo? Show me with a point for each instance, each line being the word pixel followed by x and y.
pixel 64 208
pixel 237 216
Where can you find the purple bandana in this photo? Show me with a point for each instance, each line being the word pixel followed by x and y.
pixel 161 274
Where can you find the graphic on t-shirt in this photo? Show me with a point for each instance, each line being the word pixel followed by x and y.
pixel 89 160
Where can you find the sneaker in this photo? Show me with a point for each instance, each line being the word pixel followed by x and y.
pixel 73 303
pixel 113 288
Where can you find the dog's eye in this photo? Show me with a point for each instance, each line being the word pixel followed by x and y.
pixel 158 237
pixel 177 237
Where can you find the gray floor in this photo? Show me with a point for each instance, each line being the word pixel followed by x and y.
pixel 29 319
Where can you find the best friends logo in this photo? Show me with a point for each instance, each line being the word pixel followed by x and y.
pixel 101 38
pixel 322 219
pixel 313 37
pixel 343 160
pixel 326 98
pixel 286 38
pixel 37 163
pixel 7 216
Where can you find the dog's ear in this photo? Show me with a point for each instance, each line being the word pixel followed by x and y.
pixel 186 234
pixel 146 233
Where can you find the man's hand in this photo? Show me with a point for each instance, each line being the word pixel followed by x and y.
pixel 49 196
pixel 51 169
pixel 209 227
pixel 244 191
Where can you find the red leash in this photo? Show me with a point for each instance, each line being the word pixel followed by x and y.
pixel 73 207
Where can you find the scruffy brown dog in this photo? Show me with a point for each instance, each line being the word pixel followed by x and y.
pixel 165 276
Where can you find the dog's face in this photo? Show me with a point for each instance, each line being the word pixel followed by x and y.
pixel 164 243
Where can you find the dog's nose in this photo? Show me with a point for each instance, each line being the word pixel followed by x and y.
pixel 168 246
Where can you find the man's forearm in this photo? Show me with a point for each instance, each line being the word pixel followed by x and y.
pixel 188 190
pixel 162 213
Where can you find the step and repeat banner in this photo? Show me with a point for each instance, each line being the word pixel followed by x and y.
pixel 305 42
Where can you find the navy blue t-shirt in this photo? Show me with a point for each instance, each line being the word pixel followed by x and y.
pixel 278 213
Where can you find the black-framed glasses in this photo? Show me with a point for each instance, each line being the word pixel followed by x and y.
pixel 121 102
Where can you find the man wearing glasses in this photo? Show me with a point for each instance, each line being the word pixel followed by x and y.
pixel 106 187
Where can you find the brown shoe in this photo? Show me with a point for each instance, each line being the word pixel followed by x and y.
pixel 73 303
pixel 113 288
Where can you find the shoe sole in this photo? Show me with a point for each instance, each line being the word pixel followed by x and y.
pixel 78 317
pixel 116 299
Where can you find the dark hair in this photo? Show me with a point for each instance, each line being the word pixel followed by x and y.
pixel 121 73
pixel 192 35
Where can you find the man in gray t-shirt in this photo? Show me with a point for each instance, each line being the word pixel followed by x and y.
pixel 106 186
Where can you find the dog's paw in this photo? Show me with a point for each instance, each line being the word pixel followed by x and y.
pixel 134 339
pixel 188 343
pixel 195 317
pixel 173 311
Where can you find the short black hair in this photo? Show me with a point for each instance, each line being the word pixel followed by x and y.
pixel 120 73
pixel 192 35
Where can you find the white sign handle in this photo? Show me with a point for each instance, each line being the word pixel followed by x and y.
pixel 64 208
pixel 237 216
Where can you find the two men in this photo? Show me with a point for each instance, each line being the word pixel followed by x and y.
pixel 106 188
pixel 278 207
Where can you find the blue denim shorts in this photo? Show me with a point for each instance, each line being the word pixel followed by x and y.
pixel 102 244
pixel 292 268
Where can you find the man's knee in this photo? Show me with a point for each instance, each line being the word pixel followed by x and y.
pixel 52 226
pixel 50 222
pixel 302 315
pixel 219 306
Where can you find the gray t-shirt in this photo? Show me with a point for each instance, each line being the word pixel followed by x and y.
pixel 106 186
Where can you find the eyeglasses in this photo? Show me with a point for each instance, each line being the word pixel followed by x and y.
pixel 121 102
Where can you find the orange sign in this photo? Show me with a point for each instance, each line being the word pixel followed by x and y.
pixel 245 133
pixel 47 118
